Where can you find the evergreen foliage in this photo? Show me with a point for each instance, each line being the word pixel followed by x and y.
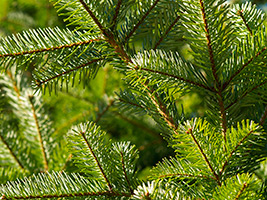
pixel 220 155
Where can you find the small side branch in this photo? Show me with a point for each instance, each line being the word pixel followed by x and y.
pixel 245 94
pixel 245 185
pixel 166 32
pixel 114 19
pixel 204 156
pixel 141 21
pixel 12 153
pixel 39 83
pixel 178 78
pixel 39 133
pixel 234 150
pixel 48 49
pixel 187 175
pixel 97 162
pixel 240 13
pixel 243 67
pixel 125 174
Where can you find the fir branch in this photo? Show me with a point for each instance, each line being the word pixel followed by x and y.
pixel 114 19
pixel 136 105
pixel 109 36
pixel 99 115
pixel 85 194
pixel 97 161
pixel 243 67
pixel 245 94
pixel 186 175
pixel 214 71
pixel 141 21
pixel 161 108
pixel 176 77
pixel 204 156
pixel 233 151
pixel 264 116
pixel 125 174
pixel 39 133
pixel 213 67
pixel 11 152
pixel 245 185
pixel 39 83
pixel 240 13
pixel 48 49
pixel 166 32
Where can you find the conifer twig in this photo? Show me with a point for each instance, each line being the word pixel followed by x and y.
pixel 114 19
pixel 240 13
pixel 39 83
pixel 177 77
pixel 204 156
pixel 11 152
pixel 214 71
pixel 187 175
pixel 125 174
pixel 100 115
pixel 97 161
pixel 166 32
pixel 141 21
pixel 48 49
pixel 243 67
pixel 245 185
pixel 39 133
pixel 233 151
pixel 245 94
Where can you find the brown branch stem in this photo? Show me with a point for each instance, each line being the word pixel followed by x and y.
pixel 100 115
pixel 245 185
pixel 125 174
pixel 240 13
pixel 264 116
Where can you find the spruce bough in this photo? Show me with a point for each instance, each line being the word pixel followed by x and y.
pixel 217 156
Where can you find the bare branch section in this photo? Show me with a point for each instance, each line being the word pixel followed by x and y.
pixel 48 49
pixel 204 156
pixel 100 115
pixel 166 32
pixel 39 83
pixel 97 161
pixel 81 194
pixel 12 153
pixel 141 21
pixel 39 133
